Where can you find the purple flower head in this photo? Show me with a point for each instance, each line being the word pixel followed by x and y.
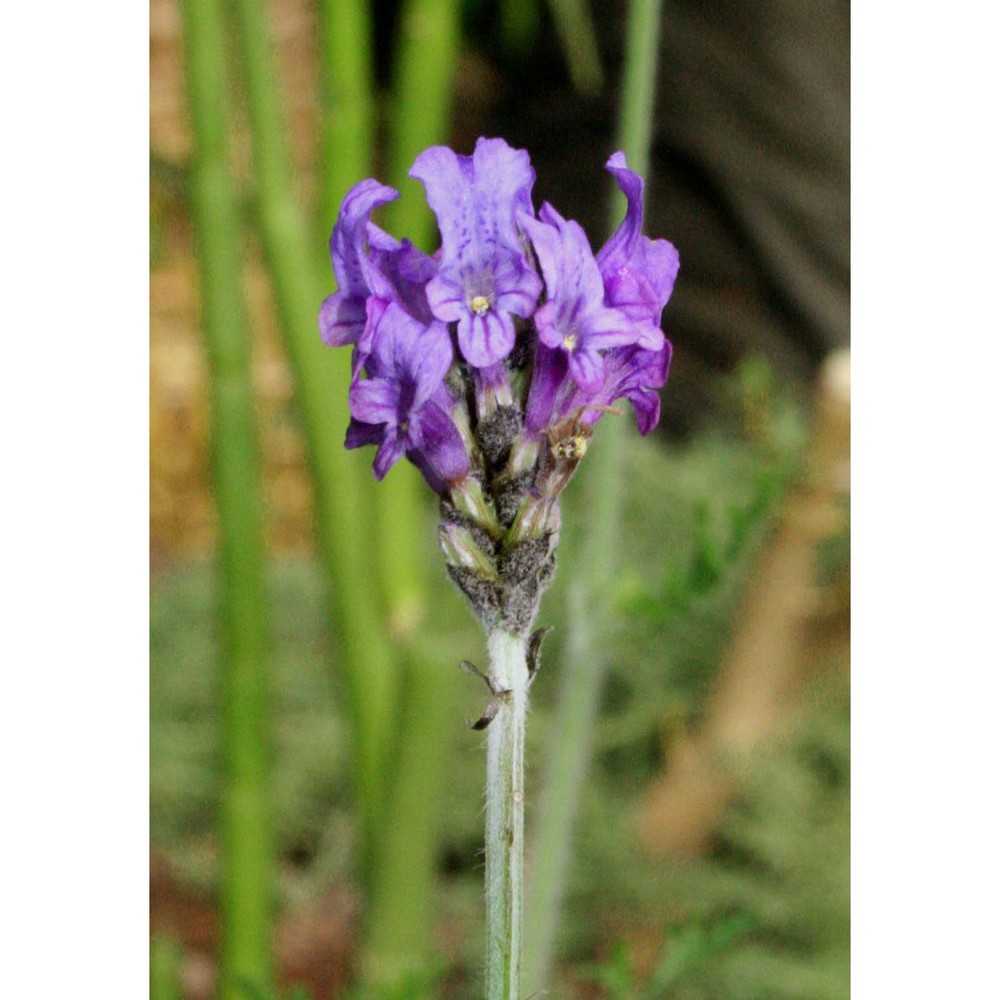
pixel 574 318
pixel 488 364
pixel 638 273
pixel 586 327
pixel 403 407
pixel 483 279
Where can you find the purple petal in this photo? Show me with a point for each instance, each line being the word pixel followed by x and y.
pixel 360 434
pixel 642 285
pixel 646 403
pixel 348 241
pixel 516 287
pixel 651 338
pixel 394 332
pixel 547 243
pixel 374 311
pixel 476 198
pixel 342 316
pixel 546 323
pixel 642 389
pixel 574 318
pixel 407 366
pixel 341 319
pixel 634 374
pixel 447 299
pixel 587 368
pixel 638 273
pixel 622 243
pixel 447 180
pixel 606 328
pixel 413 265
pixel 438 449
pixel 549 376
pixel 389 453
pixel 485 340
pixel 399 271
pixel 504 178
pixel 375 401
pixel 428 356
pixel 483 277
pixel 568 266
pixel 486 331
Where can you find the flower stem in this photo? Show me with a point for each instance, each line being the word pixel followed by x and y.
pixel 505 817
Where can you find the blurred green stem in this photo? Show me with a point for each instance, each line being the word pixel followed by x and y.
pixel 590 568
pixel 400 907
pixel 520 23
pixel 425 58
pixel 164 969
pixel 575 28
pixel 399 917
pixel 638 100
pixel 347 100
pixel 247 874
pixel 425 63
pixel 342 490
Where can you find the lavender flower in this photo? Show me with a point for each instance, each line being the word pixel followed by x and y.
pixel 489 363
pixel 574 317
pixel 631 373
pixel 483 279
pixel 638 273
pixel 370 265
pixel 487 366
pixel 342 315
pixel 403 407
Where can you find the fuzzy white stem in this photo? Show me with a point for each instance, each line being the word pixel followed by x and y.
pixel 505 817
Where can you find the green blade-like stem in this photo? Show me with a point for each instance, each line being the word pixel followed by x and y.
pixel 591 564
pixel 347 102
pixel 520 24
pixel 399 918
pixel 575 29
pixel 342 485
pixel 422 90
pixel 638 99
pixel 425 57
pixel 164 969
pixel 247 876
pixel 400 904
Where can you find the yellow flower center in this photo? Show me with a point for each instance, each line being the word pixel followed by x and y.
pixel 569 341
pixel 480 305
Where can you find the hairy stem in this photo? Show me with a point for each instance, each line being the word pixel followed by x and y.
pixel 505 817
